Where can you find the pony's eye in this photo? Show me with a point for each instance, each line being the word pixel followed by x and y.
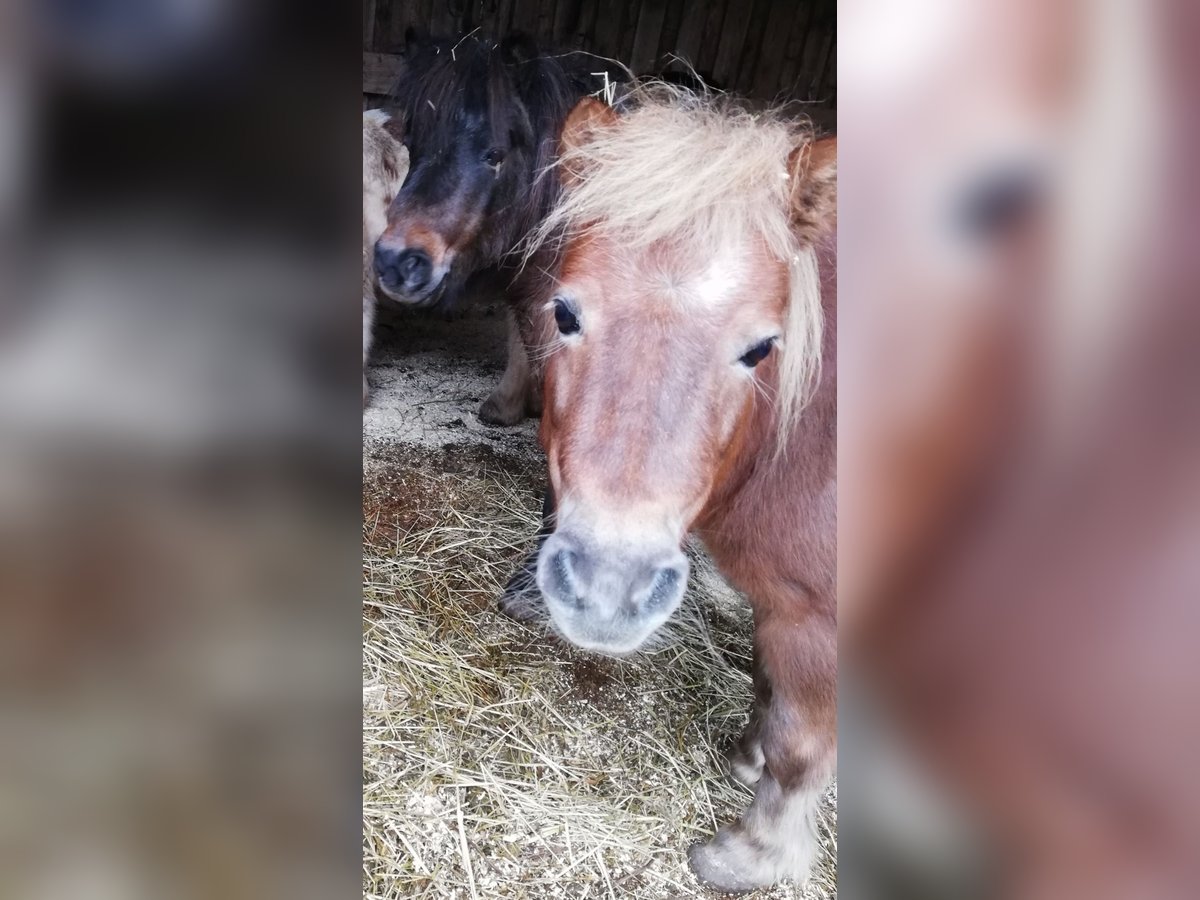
pixel 757 353
pixel 494 157
pixel 565 318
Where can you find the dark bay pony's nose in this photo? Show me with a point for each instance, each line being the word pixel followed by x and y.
pixel 406 271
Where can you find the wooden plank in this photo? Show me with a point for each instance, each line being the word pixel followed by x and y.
pixel 770 55
pixel 669 38
pixel 491 17
pixel 525 16
pixel 792 57
pixel 484 17
pixel 762 48
pixel 481 15
pixel 545 24
pixel 583 36
pixel 646 36
pixel 810 57
pixel 380 71
pixel 710 38
pixel 751 47
pixel 733 39
pixel 691 29
pixel 410 14
pixel 368 23
pixel 829 74
pixel 504 18
pixel 625 45
pixel 800 84
pixel 821 61
pixel 381 34
pixel 609 21
pixel 446 17
pixel 468 19
pixel 566 20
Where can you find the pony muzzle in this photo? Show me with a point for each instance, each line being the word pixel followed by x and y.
pixel 609 599
pixel 409 274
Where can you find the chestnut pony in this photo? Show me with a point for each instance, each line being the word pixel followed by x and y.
pixel 690 388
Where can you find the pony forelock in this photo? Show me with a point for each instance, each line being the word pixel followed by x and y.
pixel 699 170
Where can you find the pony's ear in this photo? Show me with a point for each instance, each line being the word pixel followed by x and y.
pixel 414 38
pixel 588 117
pixel 518 47
pixel 812 168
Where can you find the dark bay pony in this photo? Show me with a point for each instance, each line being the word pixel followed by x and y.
pixel 690 388
pixel 481 120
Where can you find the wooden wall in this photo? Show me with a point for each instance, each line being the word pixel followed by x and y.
pixel 766 49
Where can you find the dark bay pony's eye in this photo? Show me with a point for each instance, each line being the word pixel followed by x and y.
pixel 757 353
pixel 564 317
pixel 494 157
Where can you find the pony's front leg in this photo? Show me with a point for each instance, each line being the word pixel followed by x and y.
pixel 368 325
pixel 775 839
pixel 509 402
pixel 789 753
pixel 522 599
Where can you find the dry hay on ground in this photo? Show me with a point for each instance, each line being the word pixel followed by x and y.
pixel 499 763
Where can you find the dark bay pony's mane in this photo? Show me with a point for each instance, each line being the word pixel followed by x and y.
pixel 527 96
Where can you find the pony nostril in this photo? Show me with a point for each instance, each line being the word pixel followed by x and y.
pixel 414 268
pixel 385 260
pixel 663 591
pixel 564 579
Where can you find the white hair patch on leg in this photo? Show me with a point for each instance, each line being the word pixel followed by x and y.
pixel 776 839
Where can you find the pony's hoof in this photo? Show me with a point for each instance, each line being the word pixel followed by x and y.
pixel 496 412
pixel 523 605
pixel 726 863
pixel 521 599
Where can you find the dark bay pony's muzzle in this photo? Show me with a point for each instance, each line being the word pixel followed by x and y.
pixel 609 599
pixel 406 274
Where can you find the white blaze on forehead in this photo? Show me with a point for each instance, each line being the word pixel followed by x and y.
pixel 718 282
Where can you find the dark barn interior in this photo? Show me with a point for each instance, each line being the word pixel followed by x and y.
pixel 767 50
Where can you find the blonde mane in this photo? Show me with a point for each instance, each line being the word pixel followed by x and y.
pixel 683 167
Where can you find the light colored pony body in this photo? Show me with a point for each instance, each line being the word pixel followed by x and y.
pixel 385 165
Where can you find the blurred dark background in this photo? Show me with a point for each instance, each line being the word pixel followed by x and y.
pixel 179 450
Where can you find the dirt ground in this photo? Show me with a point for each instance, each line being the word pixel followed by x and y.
pixel 499 762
